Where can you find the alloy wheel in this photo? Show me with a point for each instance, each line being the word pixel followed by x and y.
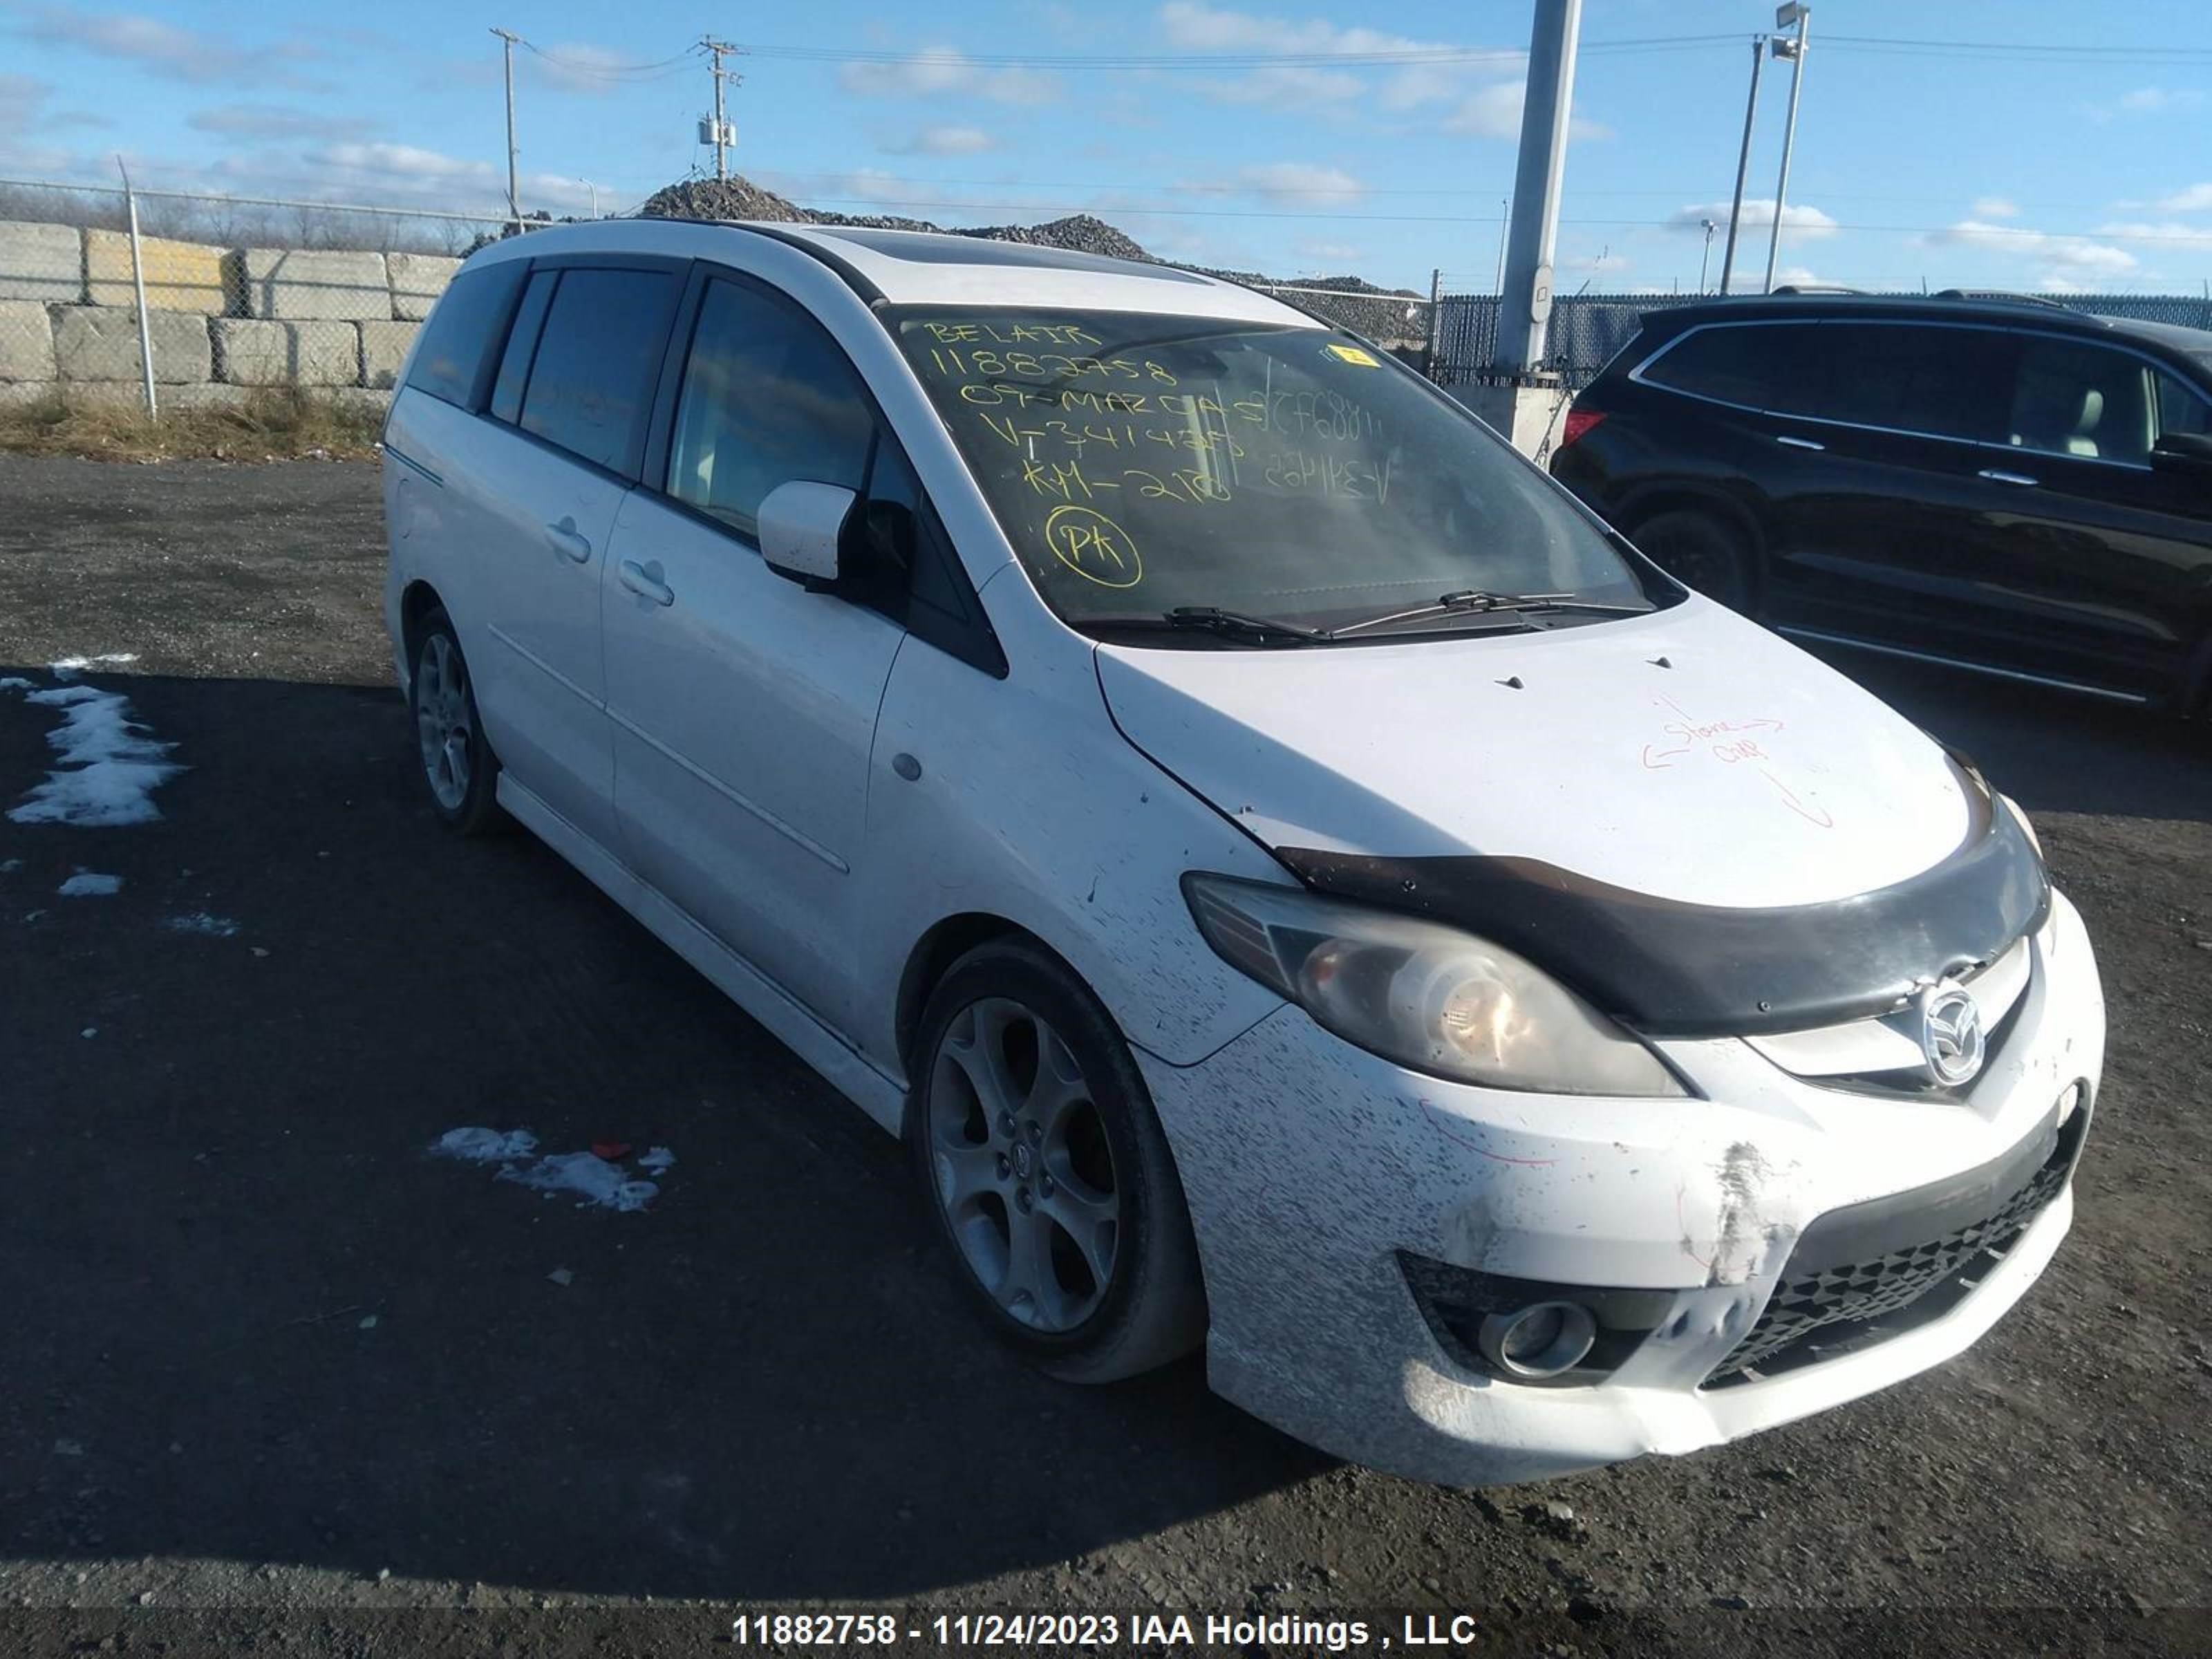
pixel 1024 1170
pixel 441 720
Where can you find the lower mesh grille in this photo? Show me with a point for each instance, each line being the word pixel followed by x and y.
pixel 1818 1316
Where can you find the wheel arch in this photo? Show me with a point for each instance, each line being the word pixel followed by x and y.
pixel 417 601
pixel 1647 502
pixel 945 942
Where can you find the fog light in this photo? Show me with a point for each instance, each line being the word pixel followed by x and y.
pixel 1540 1340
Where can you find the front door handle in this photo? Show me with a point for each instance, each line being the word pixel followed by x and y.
pixel 644 580
pixel 1998 474
pixel 567 540
pixel 1798 443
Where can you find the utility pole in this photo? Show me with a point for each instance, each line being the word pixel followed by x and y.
pixel 723 137
pixel 1516 398
pixel 1784 15
pixel 1743 161
pixel 514 199
pixel 1526 304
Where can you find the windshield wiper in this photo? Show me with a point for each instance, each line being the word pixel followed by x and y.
pixel 1261 630
pixel 1480 602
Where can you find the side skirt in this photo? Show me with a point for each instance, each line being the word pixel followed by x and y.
pixel 793 1025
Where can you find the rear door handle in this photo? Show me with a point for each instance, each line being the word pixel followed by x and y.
pixel 567 540
pixel 644 580
pixel 1998 474
pixel 1798 443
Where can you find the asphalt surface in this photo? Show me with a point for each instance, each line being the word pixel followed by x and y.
pixel 269 1374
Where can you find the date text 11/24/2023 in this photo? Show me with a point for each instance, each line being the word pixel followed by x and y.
pixel 1414 1632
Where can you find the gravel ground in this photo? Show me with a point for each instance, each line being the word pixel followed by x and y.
pixel 272 1375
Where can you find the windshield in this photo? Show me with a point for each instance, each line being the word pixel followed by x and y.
pixel 1143 465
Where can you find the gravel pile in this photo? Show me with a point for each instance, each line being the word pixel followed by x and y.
pixel 1389 315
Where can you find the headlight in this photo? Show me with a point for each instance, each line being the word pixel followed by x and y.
pixel 1423 995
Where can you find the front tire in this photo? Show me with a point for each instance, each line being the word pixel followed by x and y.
pixel 1702 552
pixel 458 767
pixel 1046 1172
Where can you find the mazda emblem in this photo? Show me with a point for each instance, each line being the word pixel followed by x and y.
pixel 1951 1035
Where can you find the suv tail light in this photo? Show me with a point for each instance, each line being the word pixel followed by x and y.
pixel 1579 421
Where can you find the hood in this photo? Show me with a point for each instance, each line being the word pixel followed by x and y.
pixel 1687 754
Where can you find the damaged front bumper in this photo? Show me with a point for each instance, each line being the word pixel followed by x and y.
pixel 1752 1257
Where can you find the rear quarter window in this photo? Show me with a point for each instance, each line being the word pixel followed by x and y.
pixel 466 326
pixel 1755 364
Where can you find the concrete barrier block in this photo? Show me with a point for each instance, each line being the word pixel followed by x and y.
pixel 250 352
pixel 291 284
pixel 29 394
pixel 100 343
pixel 26 341
pixel 359 399
pixel 41 262
pixel 383 350
pixel 417 280
pixel 179 276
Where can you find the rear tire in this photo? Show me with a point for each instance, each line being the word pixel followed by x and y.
pixel 458 767
pixel 1046 1173
pixel 1700 551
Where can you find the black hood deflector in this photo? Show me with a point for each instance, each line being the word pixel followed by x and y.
pixel 1671 968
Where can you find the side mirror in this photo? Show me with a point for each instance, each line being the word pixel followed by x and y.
pixel 2183 451
pixel 801 528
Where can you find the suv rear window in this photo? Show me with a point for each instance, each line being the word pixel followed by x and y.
pixel 1932 379
pixel 467 322
pixel 1752 364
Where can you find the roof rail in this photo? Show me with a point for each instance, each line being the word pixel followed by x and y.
pixel 2004 296
pixel 1815 288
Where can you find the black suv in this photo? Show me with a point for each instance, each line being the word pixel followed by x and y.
pixel 2006 485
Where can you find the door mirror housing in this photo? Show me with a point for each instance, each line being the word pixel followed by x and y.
pixel 802 529
pixel 2183 451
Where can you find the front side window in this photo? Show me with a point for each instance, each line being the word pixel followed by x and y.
pixel 593 376
pixel 1142 464
pixel 1756 365
pixel 2181 410
pixel 1929 378
pixel 2073 398
pixel 767 399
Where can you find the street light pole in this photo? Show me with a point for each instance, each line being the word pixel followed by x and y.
pixel 1784 15
pixel 1743 161
pixel 1705 258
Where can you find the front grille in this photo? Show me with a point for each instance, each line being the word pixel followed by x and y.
pixel 1825 1314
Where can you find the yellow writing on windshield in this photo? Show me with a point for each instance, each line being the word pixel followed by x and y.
pixel 1093 546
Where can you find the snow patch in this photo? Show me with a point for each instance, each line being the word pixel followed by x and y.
pixel 112 765
pixel 86 883
pixel 15 683
pixel 201 922
pixel 68 667
pixel 10 866
pixel 596 1180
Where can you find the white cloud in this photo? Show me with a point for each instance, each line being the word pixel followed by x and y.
pixel 2065 263
pixel 1993 207
pixel 939 71
pixel 402 174
pixel 1494 111
pixel 1421 72
pixel 166 49
pixel 1317 249
pixel 272 121
pixel 1799 219
pixel 2158 230
pixel 1801 277
pixel 2148 101
pixel 1302 182
pixel 944 140
pixel 1293 86
pixel 2194 198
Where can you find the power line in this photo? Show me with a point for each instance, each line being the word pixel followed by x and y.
pixel 657 70
pixel 1412 57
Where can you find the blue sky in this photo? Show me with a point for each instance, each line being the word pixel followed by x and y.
pixel 2029 144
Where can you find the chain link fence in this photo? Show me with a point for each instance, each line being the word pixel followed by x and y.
pixel 172 300
pixel 1587 329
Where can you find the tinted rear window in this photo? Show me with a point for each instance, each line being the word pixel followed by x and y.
pixel 1752 364
pixel 466 325
pixel 597 359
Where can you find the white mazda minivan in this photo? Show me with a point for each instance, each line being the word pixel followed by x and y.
pixel 1299 885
